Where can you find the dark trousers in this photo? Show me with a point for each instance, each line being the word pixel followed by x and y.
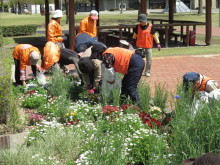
pixel 68 56
pixel 131 79
pixel 17 71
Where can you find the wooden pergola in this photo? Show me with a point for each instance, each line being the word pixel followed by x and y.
pixel 143 9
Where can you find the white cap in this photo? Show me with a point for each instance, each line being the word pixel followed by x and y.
pixel 94 14
pixel 34 57
pixel 57 14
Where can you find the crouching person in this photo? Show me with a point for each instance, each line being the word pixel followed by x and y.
pixel 25 55
pixel 123 61
pixel 199 83
pixel 91 73
pixel 55 57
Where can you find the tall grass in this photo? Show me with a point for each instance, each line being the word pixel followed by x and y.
pixel 145 96
pixel 55 147
pixel 195 128
pixel 60 85
pixel 160 96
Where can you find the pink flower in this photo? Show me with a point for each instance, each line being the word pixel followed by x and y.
pixel 35 118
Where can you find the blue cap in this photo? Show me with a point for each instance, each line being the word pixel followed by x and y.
pixel 191 77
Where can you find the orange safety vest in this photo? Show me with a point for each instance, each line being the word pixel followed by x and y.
pixel 54 32
pixel 22 53
pixel 144 37
pixel 51 55
pixel 203 83
pixel 88 25
pixel 122 58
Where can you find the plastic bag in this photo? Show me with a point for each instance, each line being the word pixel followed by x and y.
pixel 41 78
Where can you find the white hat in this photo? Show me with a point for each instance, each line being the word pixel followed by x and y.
pixel 94 14
pixel 34 57
pixel 57 14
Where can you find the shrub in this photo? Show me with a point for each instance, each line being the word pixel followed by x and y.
pixel 18 30
pixel 9 113
pixel 1 37
pixel 60 85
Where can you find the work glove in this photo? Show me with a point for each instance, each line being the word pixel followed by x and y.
pixel 91 91
pixel 159 46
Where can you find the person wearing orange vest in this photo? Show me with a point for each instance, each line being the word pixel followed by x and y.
pixel 199 82
pixel 25 55
pixel 123 61
pixel 145 34
pixel 54 29
pixel 55 57
pixel 88 24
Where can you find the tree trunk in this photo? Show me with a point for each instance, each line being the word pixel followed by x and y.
pixel 200 11
pixel 67 11
pixel 19 7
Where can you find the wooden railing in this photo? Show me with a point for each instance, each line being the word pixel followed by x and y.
pixel 166 32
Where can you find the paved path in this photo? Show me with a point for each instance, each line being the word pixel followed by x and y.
pixel 169 70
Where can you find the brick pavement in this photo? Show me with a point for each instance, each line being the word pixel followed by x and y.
pixel 169 70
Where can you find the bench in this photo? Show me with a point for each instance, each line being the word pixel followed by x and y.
pixel 181 36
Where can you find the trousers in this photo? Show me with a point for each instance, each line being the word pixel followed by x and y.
pixel 132 78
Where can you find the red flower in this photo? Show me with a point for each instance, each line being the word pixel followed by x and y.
pixel 31 92
pixel 108 109
pixel 146 118
pixel 128 106
pixel 72 122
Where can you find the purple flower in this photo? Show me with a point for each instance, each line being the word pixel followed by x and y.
pixel 177 97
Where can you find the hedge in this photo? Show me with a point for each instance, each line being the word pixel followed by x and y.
pixel 18 30
pixel 1 37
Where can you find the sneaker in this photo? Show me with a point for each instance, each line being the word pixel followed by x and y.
pixel 148 74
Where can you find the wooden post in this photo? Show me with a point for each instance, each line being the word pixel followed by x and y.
pixel 171 11
pixel 208 22
pixel 47 14
pixel 143 7
pixel 72 29
pixel 57 4
pixel 97 9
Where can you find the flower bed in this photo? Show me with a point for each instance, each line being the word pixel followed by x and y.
pixel 87 131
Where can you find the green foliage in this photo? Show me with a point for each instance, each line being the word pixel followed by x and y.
pixel 55 107
pixel 160 96
pixel 1 37
pixel 34 101
pixel 5 86
pixel 60 85
pixel 195 127
pixel 47 145
pixel 18 30
pixel 145 96
pixel 9 112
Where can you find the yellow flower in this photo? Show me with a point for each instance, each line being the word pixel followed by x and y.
pixel 73 113
pixel 67 114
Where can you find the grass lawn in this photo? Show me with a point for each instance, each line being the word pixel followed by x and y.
pixel 114 19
